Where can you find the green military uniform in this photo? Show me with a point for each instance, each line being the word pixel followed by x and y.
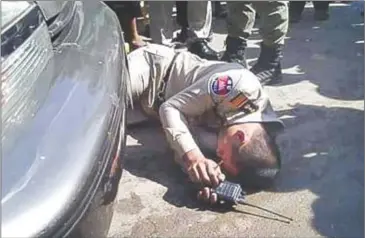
pixel 273 14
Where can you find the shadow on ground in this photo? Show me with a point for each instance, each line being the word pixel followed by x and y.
pixel 322 152
pixel 328 54
pixel 159 166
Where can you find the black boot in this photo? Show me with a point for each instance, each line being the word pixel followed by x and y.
pixel 210 36
pixel 182 36
pixel 201 48
pixel 295 11
pixel 268 67
pixel 235 51
pixel 321 10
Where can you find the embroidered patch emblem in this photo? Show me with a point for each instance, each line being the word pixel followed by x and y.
pixel 241 102
pixel 249 108
pixel 222 85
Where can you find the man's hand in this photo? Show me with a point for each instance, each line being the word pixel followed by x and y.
pixel 201 170
pixel 206 195
pixel 205 172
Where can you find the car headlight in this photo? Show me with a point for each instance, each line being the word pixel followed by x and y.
pixel 26 49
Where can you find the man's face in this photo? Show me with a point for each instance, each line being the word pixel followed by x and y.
pixel 227 138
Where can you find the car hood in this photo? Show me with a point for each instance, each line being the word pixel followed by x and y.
pixel 45 169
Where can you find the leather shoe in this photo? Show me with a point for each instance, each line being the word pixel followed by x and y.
pixel 201 48
pixel 235 51
pixel 268 66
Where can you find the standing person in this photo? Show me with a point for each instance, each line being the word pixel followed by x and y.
pixel 321 10
pixel 182 21
pixel 274 18
pixel 199 15
pixel 127 12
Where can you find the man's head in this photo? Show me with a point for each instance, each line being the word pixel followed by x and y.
pixel 249 152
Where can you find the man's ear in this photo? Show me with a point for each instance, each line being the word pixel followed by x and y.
pixel 240 136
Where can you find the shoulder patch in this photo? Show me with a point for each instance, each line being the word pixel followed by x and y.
pixel 222 85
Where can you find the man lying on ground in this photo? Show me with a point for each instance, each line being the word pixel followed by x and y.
pixel 208 106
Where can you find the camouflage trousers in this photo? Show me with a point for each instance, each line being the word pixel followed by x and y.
pixel 274 17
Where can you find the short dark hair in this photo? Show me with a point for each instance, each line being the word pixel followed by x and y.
pixel 258 160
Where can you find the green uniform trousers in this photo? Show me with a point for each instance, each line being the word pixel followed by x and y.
pixel 273 15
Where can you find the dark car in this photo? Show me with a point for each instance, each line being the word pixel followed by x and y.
pixel 64 87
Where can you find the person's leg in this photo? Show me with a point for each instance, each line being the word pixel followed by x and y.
pixel 295 10
pixel 274 27
pixel 161 27
pixel 321 10
pixel 146 20
pixel 219 10
pixel 200 25
pixel 182 13
pixel 127 12
pixel 200 18
pixel 240 21
pixel 182 21
pixel 135 10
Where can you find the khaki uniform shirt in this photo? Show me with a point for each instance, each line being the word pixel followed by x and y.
pixel 198 87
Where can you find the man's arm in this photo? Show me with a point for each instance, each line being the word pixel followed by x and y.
pixel 191 102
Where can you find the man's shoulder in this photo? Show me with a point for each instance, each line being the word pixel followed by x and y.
pixel 155 49
pixel 234 72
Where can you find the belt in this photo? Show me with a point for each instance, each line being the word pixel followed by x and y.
pixel 162 87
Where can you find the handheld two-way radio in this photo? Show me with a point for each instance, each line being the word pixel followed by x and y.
pixel 233 193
